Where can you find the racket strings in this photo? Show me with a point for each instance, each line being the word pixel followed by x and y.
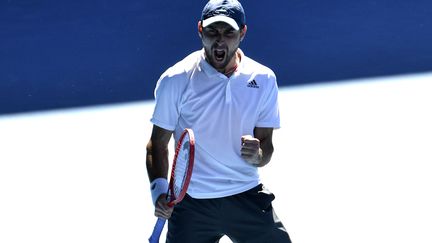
pixel 181 168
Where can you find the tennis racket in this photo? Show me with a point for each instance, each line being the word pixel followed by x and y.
pixel 181 173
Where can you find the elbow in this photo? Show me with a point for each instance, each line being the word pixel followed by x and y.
pixel 267 153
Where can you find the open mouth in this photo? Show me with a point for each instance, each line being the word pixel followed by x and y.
pixel 219 55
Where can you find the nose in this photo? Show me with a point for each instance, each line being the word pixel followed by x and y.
pixel 219 37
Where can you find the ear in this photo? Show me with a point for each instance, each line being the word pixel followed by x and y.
pixel 200 29
pixel 243 33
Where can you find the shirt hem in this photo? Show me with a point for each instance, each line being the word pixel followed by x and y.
pixel 268 124
pixel 234 191
pixel 162 125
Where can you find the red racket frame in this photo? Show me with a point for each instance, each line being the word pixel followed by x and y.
pixel 174 200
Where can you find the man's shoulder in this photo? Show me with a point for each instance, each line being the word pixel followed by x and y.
pixel 254 67
pixel 185 65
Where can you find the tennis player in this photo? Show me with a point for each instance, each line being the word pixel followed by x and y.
pixel 231 103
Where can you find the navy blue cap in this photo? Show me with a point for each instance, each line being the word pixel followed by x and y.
pixel 228 11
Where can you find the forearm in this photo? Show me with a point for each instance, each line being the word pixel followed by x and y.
pixel 157 161
pixel 264 135
pixel 265 153
pixel 157 170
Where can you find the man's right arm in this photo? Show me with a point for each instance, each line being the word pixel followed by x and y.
pixel 157 153
pixel 157 169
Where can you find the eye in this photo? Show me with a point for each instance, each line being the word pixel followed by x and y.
pixel 210 32
pixel 230 33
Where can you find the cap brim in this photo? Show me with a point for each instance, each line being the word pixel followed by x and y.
pixel 220 18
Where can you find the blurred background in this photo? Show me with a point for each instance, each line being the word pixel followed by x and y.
pixel 352 160
pixel 59 54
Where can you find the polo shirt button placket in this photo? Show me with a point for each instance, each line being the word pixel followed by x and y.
pixel 228 91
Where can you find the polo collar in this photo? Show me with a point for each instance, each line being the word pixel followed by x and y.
pixel 211 71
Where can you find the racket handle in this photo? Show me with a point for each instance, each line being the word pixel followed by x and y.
pixel 160 223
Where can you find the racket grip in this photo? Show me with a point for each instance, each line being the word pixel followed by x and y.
pixel 157 230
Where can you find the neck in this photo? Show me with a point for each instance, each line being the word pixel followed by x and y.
pixel 232 65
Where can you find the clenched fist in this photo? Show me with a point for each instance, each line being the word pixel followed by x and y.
pixel 250 150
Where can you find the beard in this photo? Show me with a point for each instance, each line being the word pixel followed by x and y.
pixel 219 58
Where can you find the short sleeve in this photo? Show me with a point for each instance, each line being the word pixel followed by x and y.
pixel 269 109
pixel 167 96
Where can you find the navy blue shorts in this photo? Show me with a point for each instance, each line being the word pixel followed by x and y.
pixel 246 217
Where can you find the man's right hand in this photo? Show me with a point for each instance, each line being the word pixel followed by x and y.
pixel 162 210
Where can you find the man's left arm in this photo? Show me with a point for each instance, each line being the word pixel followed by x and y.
pixel 257 150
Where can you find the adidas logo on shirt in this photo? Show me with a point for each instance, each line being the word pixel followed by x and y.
pixel 253 84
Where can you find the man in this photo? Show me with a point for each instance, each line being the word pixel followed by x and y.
pixel 231 103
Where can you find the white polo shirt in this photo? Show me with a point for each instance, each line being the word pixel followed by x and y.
pixel 192 94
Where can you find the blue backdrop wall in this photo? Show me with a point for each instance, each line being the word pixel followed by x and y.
pixel 58 53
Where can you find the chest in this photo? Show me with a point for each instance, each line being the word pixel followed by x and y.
pixel 237 98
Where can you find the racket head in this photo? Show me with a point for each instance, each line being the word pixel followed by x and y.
pixel 182 167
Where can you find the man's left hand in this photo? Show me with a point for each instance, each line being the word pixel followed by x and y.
pixel 250 150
